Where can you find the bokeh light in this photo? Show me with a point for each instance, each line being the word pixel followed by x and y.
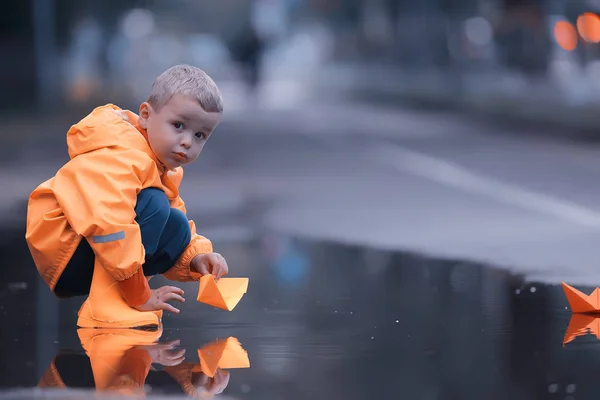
pixel 588 26
pixel 565 35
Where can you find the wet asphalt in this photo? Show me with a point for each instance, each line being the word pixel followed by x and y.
pixel 390 253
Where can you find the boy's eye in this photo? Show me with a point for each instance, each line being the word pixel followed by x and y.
pixel 200 135
pixel 178 125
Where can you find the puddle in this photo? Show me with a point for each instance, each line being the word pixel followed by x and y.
pixel 320 320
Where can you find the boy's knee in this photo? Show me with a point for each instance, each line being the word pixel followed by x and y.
pixel 179 221
pixel 152 203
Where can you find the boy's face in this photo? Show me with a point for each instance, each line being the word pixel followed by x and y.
pixel 177 133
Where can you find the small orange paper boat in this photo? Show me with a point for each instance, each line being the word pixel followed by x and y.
pixel 580 302
pixel 225 293
pixel 581 325
pixel 225 354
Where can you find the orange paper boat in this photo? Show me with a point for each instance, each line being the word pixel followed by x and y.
pixel 580 302
pixel 225 294
pixel 225 354
pixel 581 325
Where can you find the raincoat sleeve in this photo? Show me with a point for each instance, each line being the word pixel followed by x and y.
pixel 98 192
pixel 198 244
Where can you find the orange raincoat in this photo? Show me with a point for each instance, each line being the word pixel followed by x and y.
pixel 93 197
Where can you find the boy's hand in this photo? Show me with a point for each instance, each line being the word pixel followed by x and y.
pixel 212 386
pixel 210 263
pixel 159 297
pixel 165 354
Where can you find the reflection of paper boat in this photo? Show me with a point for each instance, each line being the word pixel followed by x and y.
pixel 225 293
pixel 225 354
pixel 581 302
pixel 581 325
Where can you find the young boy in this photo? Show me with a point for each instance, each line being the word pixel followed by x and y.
pixel 112 215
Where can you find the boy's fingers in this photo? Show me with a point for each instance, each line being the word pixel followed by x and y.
pixel 203 269
pixel 172 296
pixel 173 289
pixel 223 266
pixel 169 345
pixel 174 361
pixel 178 354
pixel 177 360
pixel 169 308
pixel 222 271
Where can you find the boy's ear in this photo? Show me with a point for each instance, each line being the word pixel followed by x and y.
pixel 145 111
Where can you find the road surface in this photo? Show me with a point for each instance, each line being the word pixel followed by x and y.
pixel 392 179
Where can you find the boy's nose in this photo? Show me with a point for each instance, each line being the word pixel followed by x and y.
pixel 186 143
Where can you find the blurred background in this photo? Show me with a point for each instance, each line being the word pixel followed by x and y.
pixel 72 52
pixel 406 183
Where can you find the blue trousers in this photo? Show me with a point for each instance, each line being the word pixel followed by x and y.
pixel 165 235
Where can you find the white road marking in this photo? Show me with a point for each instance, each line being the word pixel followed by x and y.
pixel 455 176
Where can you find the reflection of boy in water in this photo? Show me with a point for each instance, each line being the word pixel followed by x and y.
pixel 133 371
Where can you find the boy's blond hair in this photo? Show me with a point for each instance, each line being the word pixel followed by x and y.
pixel 188 80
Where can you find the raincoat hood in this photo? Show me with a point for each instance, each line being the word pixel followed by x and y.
pixel 108 126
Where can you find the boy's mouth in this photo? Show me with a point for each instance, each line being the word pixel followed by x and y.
pixel 180 156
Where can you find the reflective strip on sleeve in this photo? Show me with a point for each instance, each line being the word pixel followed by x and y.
pixel 111 237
